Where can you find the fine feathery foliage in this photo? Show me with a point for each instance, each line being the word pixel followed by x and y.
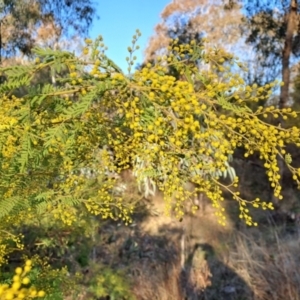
pixel 165 129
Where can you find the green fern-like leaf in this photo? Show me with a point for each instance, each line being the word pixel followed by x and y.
pixel 24 153
pixel 239 110
pixel 8 205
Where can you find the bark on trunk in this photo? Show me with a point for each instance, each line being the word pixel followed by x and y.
pixel 286 54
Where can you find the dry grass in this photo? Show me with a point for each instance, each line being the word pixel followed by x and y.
pixel 222 263
pixel 267 264
pixel 255 267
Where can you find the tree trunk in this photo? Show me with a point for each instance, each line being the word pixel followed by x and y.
pixel 286 54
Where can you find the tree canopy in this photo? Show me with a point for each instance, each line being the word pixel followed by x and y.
pixel 24 23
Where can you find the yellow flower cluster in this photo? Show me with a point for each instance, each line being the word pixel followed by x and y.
pixel 20 287
pixel 169 121
pixel 167 118
pixel 6 240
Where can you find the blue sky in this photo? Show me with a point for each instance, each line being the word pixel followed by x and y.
pixel 118 21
